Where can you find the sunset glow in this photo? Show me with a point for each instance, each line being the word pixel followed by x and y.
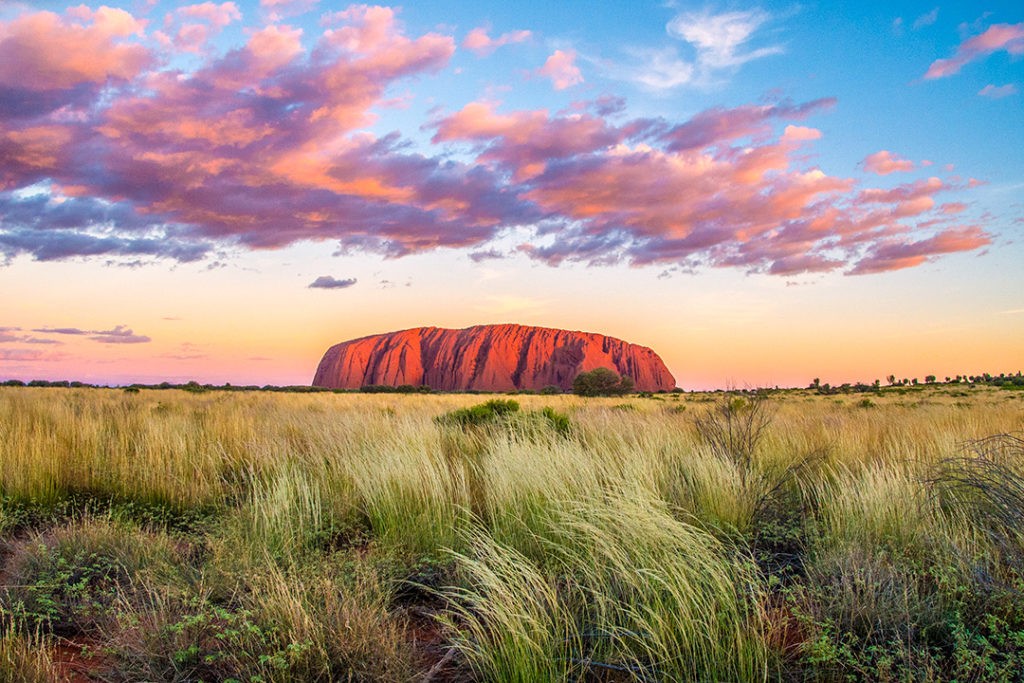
pixel 762 193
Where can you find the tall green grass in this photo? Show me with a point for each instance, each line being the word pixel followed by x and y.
pixel 623 587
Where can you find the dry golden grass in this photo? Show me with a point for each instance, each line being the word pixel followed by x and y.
pixel 628 545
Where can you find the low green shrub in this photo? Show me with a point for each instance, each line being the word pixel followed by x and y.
pixel 479 415
pixel 65 580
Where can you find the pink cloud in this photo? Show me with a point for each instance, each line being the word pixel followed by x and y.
pixel 481 43
pixel 268 144
pixel 192 26
pixel 898 255
pixel 998 92
pixel 801 133
pixel 525 142
pixel 561 68
pixel 999 37
pixel 43 51
pixel 216 15
pixel 885 162
pixel 719 125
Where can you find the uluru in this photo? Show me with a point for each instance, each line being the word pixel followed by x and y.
pixel 486 358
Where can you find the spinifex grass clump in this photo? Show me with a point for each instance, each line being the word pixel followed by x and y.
pixel 25 657
pixel 987 484
pixel 623 587
pixel 904 583
pixel 467 435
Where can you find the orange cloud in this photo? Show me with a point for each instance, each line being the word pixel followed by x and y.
pixel 43 51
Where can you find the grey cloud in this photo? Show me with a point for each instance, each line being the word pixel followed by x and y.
pixel 328 282
pixel 119 335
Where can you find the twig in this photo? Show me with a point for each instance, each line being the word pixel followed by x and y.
pixel 436 669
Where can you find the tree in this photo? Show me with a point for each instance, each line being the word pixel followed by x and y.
pixel 601 382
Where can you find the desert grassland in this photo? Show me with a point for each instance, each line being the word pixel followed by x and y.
pixel 317 537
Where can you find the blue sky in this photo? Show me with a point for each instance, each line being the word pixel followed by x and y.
pixel 714 180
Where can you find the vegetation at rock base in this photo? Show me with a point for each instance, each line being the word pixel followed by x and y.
pixel 601 382
pixel 182 535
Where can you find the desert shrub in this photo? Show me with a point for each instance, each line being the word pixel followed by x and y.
pixel 65 580
pixel 310 622
pixel 734 426
pixel 162 635
pixel 506 413
pixel 400 389
pixel 479 415
pixel 558 421
pixel 870 616
pixel 904 583
pixel 601 382
pixel 344 618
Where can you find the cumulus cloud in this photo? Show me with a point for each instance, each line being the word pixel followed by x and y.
pixel 276 10
pixel 561 68
pixel 898 255
pixel 328 282
pixel 268 144
pixel 189 28
pixel 996 38
pixel 479 42
pixel 885 162
pixel 45 52
pixel 727 192
pixel 998 92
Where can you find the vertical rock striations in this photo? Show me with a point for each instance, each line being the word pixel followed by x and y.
pixel 486 358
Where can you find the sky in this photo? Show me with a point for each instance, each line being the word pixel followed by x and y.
pixel 763 193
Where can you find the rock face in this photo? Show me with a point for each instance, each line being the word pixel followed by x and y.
pixel 486 358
